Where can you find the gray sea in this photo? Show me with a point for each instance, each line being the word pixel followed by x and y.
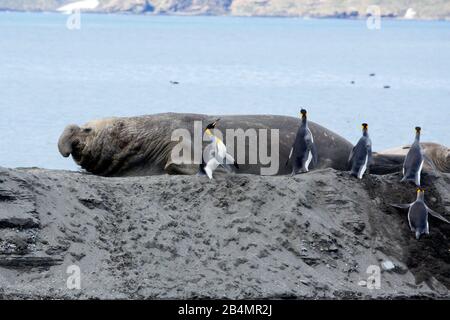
pixel 123 65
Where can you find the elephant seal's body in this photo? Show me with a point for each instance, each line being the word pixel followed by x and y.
pixel 140 146
pixel 439 154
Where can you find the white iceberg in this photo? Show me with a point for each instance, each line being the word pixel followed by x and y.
pixel 79 5
pixel 410 14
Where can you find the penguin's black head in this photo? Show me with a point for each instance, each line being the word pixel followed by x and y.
pixel 418 129
pixel 365 126
pixel 212 125
pixel 303 113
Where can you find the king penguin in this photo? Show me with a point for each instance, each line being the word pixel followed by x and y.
pixel 361 155
pixel 413 165
pixel 418 214
pixel 215 154
pixel 304 151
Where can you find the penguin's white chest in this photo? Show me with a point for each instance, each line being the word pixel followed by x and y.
pixel 363 169
pixel 308 160
pixel 221 150
pixel 419 173
pixel 218 158
pixel 310 156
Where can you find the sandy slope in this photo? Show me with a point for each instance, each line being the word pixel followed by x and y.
pixel 239 236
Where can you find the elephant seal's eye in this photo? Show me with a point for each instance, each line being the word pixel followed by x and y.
pixel 87 130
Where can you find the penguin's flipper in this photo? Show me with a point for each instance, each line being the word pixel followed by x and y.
pixel 230 160
pixel 350 157
pixel 437 215
pixel 289 158
pixel 370 158
pixel 430 162
pixel 227 167
pixel 369 153
pixel 313 149
pixel 400 206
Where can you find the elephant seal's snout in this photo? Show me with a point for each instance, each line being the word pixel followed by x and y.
pixel 66 140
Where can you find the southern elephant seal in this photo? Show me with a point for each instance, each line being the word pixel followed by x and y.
pixel 139 146
pixel 439 154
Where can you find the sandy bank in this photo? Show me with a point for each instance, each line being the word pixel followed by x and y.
pixel 239 236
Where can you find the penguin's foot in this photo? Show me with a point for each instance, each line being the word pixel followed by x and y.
pixel 209 174
pixel 418 234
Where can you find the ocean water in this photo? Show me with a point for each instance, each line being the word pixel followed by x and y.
pixel 122 65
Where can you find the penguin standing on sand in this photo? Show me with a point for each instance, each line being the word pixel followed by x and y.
pixel 361 155
pixel 215 154
pixel 418 214
pixel 304 151
pixel 413 165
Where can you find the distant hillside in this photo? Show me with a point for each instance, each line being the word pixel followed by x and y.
pixel 424 9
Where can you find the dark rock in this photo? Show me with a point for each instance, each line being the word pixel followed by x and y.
pixel 28 261
pixel 18 222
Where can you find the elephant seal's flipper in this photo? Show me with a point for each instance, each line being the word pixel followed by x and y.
pixel 174 168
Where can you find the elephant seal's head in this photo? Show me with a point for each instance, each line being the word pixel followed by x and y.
pixel 439 154
pixel 71 138
pixel 117 146
pixel 75 140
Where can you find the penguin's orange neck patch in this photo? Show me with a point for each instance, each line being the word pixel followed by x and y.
pixel 208 132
